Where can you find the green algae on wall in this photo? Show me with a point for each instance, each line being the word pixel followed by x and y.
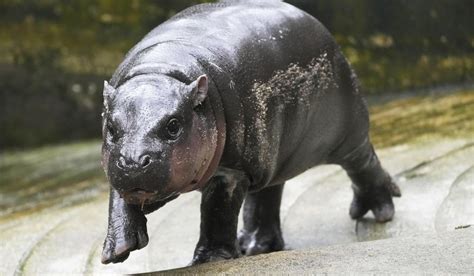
pixel 420 118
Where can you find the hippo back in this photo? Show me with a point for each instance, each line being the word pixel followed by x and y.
pixel 286 90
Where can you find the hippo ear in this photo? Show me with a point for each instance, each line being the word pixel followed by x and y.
pixel 200 87
pixel 108 91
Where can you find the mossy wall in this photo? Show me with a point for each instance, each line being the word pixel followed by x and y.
pixel 55 54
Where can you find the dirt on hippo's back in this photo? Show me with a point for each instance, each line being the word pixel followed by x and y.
pixel 297 85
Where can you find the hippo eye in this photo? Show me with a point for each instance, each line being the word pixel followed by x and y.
pixel 173 128
pixel 110 129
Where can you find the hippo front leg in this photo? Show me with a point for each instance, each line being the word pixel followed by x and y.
pixel 126 230
pixel 262 231
pixel 220 206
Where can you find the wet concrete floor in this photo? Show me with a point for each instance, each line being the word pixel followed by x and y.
pixel 427 254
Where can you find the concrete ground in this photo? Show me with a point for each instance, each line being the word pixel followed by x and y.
pixel 435 174
pixel 450 253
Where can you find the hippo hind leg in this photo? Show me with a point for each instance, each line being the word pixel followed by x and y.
pixel 262 231
pixel 372 185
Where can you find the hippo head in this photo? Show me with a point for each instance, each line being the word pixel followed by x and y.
pixel 159 137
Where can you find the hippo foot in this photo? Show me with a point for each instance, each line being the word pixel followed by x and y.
pixel 378 200
pixel 120 242
pixel 205 255
pixel 260 241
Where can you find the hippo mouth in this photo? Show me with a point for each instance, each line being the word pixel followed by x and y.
pixel 142 197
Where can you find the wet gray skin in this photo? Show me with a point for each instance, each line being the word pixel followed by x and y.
pixel 233 99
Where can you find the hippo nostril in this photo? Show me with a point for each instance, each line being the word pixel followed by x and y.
pixel 145 161
pixel 121 163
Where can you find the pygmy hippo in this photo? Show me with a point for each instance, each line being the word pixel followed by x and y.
pixel 232 99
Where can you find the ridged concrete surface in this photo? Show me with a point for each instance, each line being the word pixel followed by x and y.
pixel 428 254
pixel 436 179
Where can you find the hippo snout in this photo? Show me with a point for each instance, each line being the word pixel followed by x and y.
pixel 139 175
